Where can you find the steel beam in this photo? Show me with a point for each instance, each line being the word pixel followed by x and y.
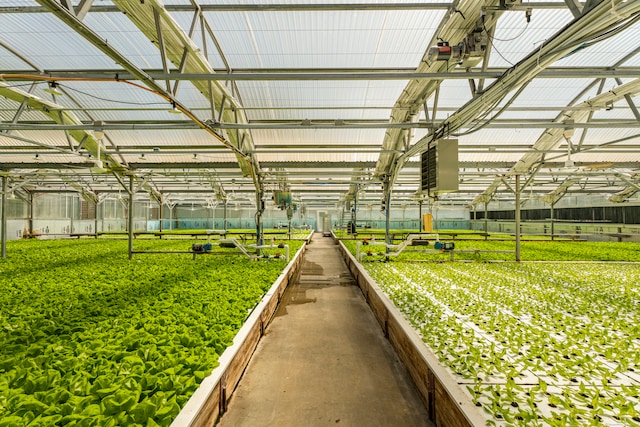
pixel 330 74
pixel 3 220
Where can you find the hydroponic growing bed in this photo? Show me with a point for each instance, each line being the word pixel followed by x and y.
pixel 535 343
pixel 88 337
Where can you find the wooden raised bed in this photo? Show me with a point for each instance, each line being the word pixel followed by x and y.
pixel 210 400
pixel 447 403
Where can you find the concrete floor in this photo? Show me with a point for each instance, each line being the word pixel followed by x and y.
pixel 324 360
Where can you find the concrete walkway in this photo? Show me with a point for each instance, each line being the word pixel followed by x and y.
pixel 324 360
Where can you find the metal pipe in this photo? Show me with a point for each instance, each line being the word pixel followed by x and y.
pixel 258 222
pixel 486 217
pixel 552 223
pixel 224 214
pixel 130 216
pixel 336 74
pixel 517 214
pixel 387 220
pixel 5 188
pixel 95 219
pixel 31 210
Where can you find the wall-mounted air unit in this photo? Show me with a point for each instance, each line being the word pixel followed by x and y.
pixel 440 167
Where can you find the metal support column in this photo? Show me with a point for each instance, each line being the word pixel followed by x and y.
pixel 72 212
pixel 354 213
pixel 387 219
pixel 517 218
pixel 553 231
pixel 259 210
pixel 224 214
pixel 31 210
pixel 160 205
pixel 130 216
pixel 420 225
pixel 95 219
pixel 486 217
pixel 5 189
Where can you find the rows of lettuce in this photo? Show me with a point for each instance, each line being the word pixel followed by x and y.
pixel 88 337
pixel 504 250
pixel 533 344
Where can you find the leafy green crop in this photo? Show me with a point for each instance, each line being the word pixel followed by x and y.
pixel 533 344
pixel 530 251
pixel 88 337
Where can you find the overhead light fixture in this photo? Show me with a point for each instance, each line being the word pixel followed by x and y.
pixel 569 163
pixel 36 156
pixel 52 89
pixel 98 134
pixel 141 156
pixel 306 122
pixel 174 109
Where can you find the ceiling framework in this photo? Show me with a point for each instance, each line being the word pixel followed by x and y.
pixel 332 100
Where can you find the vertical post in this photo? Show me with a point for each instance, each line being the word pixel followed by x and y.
pixel 517 213
pixel 130 216
pixel 553 231
pixel 354 213
pixel 95 218
pixel 31 210
pixel 258 221
pixel 5 189
pixel 387 224
pixel 420 226
pixel 387 219
pixel 486 219
pixel 72 212
pixel 224 214
pixel 160 209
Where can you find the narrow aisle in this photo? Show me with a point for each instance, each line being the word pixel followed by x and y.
pixel 324 359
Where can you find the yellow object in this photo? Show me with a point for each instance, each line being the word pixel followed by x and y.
pixel 427 223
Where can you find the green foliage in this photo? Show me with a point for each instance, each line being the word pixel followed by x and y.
pixel 88 337
pixel 535 250
pixel 535 344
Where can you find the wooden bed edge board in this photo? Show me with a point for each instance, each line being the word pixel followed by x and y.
pixel 472 414
pixel 190 413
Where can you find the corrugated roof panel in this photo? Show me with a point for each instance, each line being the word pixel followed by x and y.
pixel 405 36
pixel 167 156
pixel 324 39
pixel 311 2
pixel 606 52
pixel 453 93
pixel 319 157
pixel 158 138
pixel 122 34
pixel 514 39
pixel 64 48
pixel 319 94
pixel 623 135
pixel 347 137
pixel 497 137
pixel 39 137
pixel 549 92
pixel 619 111
pixel 185 19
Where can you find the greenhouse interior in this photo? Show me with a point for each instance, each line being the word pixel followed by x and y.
pixel 296 212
